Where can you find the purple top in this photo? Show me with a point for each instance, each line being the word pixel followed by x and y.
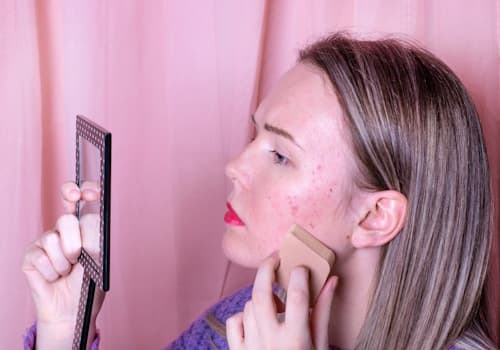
pixel 200 335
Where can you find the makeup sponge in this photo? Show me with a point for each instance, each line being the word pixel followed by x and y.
pixel 300 248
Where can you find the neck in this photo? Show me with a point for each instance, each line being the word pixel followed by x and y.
pixel 352 296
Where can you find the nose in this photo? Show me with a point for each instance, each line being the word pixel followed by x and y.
pixel 239 172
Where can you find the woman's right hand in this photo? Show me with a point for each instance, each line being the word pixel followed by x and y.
pixel 54 277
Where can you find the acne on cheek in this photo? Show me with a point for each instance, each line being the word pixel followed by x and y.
pixel 330 191
pixel 317 174
pixel 294 209
pixel 294 206
pixel 279 208
pixel 313 208
pixel 307 217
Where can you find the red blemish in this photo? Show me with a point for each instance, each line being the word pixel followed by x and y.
pixel 293 206
pixel 319 167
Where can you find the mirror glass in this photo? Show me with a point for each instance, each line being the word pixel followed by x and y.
pixel 89 207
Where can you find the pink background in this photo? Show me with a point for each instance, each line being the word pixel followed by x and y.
pixel 175 82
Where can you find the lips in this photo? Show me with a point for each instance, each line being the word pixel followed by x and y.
pixel 231 217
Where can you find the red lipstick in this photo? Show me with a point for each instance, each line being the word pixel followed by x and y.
pixel 231 217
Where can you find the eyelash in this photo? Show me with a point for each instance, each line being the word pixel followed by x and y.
pixel 279 159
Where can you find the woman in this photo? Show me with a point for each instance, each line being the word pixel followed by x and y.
pixel 376 149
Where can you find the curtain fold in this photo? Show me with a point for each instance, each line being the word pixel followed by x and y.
pixel 175 82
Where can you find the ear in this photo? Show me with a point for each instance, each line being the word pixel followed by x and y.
pixel 382 218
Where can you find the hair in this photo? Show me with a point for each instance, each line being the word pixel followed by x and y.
pixel 414 129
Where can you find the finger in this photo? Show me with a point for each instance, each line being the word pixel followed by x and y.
pixel 90 191
pixel 297 300
pixel 36 280
pixel 262 293
pixel 41 262
pixel 234 331
pixel 70 194
pixel 51 244
pixel 250 328
pixel 70 191
pixel 320 316
pixel 71 240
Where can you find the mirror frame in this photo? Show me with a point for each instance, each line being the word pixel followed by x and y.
pixel 96 274
pixel 101 139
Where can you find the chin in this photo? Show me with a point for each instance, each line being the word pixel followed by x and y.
pixel 237 251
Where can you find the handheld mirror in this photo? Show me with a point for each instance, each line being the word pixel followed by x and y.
pixel 93 176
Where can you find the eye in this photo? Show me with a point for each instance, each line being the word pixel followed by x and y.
pixel 278 158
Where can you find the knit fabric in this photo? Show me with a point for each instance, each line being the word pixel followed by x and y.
pixel 200 335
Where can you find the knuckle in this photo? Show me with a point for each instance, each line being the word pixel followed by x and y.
pixel 297 296
pixel 27 258
pixel 41 260
pixel 28 251
pixel 49 239
pixel 67 221
pixel 62 267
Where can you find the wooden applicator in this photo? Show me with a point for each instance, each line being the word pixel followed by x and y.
pixel 300 248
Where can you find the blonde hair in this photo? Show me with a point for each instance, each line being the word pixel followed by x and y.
pixel 415 129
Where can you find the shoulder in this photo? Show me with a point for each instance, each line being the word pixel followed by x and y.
pixel 207 332
pixel 232 304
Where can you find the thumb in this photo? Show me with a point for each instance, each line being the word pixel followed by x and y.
pixel 320 316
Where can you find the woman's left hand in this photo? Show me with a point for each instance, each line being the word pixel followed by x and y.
pixel 257 327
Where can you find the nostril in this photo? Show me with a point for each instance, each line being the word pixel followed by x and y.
pixel 236 173
pixel 238 169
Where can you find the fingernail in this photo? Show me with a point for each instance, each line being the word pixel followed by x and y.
pixel 74 194
pixel 331 282
pixel 274 254
pixel 300 273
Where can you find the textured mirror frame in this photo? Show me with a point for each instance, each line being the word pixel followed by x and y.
pixel 96 273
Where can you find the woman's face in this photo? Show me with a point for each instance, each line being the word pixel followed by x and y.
pixel 298 169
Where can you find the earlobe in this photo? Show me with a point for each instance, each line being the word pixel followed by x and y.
pixel 383 218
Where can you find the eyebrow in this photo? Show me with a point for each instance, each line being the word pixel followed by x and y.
pixel 277 131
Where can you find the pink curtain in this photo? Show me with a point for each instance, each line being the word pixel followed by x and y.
pixel 175 81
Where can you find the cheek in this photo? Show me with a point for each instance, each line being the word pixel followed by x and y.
pixel 305 209
pixel 293 205
pixel 314 206
pixel 275 205
pixel 273 219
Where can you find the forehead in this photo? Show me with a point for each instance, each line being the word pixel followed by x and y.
pixel 304 103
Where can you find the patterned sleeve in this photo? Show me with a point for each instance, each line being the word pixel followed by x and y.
pixel 29 340
pixel 208 331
